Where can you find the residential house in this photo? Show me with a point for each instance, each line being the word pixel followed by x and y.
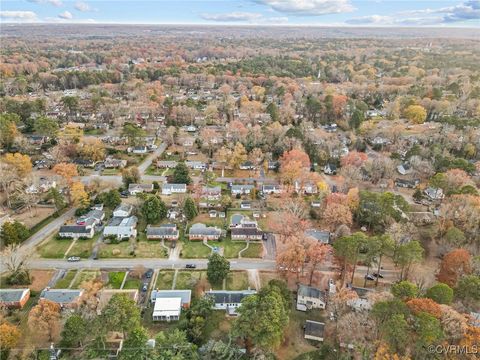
pixel 330 169
pixel 308 188
pixel 310 298
pixel 111 163
pixel 84 162
pixel 104 296
pixel 184 295
pixel 241 233
pixel 228 300
pixel 247 165
pixel 201 231
pixel 211 193
pixel 247 205
pixel 42 186
pixel 166 164
pixel 135 189
pixel 362 302
pixel 76 231
pixel 121 227
pixel 94 217
pixel 322 236
pixel 123 210
pixel 162 232
pixel 404 169
pixel 196 165
pixel 241 189
pixel 271 189
pixel 316 203
pixel 273 165
pixel 410 184
pixel 66 298
pixel 314 330
pixel 169 189
pixel 138 150
pixel 239 220
pixel 14 298
pixel 434 193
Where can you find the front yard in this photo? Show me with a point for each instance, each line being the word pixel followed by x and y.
pixel 133 248
pixel 85 275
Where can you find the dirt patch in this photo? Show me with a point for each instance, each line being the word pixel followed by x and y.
pixel 30 218
pixel 40 279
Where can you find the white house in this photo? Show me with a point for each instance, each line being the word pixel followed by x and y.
pixel 167 309
pixel 138 150
pixel 135 189
pixel 123 210
pixel 271 189
pixel 310 298
pixel 211 193
pixel 241 189
pixel 121 227
pixel 196 165
pixel 169 189
pixel 76 231
pixel 166 164
pixel 228 300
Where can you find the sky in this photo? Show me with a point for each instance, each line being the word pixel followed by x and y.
pixel 438 13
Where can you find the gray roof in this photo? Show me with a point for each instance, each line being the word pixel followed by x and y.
pixel 167 229
pixel 124 207
pixel 76 229
pixel 140 186
pixel 247 231
pixel 320 235
pixel 122 221
pixel 308 291
pixel 202 229
pixel 314 328
pixel 185 295
pixel 242 187
pixel 174 186
pixel 61 296
pixel 11 295
pixel 229 297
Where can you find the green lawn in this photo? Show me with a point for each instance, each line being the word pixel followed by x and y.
pixel 108 172
pixel 237 280
pixel 254 251
pixel 54 248
pixel 188 279
pixel 46 221
pixel 132 284
pixel 83 247
pixel 232 248
pixel 64 282
pixel 115 279
pixel 164 280
pixel 124 249
pixel 85 275
pixel 196 249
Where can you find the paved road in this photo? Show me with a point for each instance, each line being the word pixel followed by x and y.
pixel 248 180
pixel 46 231
pixel 148 161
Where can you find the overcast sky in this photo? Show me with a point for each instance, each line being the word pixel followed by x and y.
pixel 247 12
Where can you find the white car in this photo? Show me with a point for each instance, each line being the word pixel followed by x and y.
pixel 73 258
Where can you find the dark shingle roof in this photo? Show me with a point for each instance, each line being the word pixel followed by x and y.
pixel 314 328
pixel 308 291
pixel 229 297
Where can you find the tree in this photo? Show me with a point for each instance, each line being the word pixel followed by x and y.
pixel 13 233
pixel 174 345
pixel 133 133
pixel 384 246
pixel 217 269
pixel 130 175
pixel 262 320
pixel 21 163
pixel 181 174
pixel 426 305
pixel 110 199
pixel 316 254
pixel 71 103
pixel 8 129
pixel 440 293
pixel 406 255
pixel 384 310
pixel 196 320
pixel 92 148
pixel 66 170
pixel 79 196
pixel 9 338
pixel 272 110
pixel 58 199
pixel 219 350
pixel 135 346
pixel 120 314
pixel 190 209
pixel 405 290
pixel 74 331
pixel 153 209
pixel 44 320
pixel 346 249
pixel 454 264
pixel 46 126
pixel 238 156
pixel 429 331
pixel 337 214
pixel 356 119
pixel 416 114
pixel 15 262
pixel 468 289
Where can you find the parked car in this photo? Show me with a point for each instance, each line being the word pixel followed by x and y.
pixel 73 258
pixel 369 277
pixel 149 273
pixel 124 194
pixel 190 266
pixel 378 275
pixel 145 287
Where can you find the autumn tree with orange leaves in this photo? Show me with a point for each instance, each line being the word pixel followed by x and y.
pixel 454 264
pixel 44 320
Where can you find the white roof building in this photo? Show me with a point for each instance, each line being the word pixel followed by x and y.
pixel 167 309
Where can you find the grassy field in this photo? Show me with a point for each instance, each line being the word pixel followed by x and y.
pixel 254 250
pixel 196 249
pixel 143 249
pixel 164 280
pixel 54 248
pixel 64 282
pixel 132 284
pixel 188 279
pixel 85 275
pixel 115 279
pixel 237 280
pixel 107 172
pixel 83 247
